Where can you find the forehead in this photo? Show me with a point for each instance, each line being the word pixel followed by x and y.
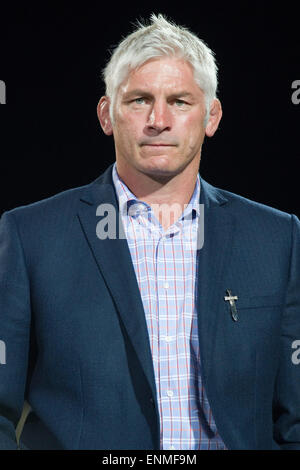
pixel 161 73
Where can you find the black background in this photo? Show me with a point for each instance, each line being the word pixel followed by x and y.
pixel 51 57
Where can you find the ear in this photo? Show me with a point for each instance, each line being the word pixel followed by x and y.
pixel 103 115
pixel 215 115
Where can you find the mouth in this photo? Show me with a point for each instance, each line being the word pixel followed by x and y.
pixel 158 145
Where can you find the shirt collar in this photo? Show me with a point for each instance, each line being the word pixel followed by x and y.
pixel 130 205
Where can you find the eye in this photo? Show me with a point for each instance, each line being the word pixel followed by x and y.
pixel 139 100
pixel 180 103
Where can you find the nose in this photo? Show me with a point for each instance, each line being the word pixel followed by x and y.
pixel 159 118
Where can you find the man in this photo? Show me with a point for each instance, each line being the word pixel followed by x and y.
pixel 148 309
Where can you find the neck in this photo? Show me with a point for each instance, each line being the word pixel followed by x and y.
pixel 167 195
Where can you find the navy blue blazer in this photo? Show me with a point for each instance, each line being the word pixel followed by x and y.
pixel 77 345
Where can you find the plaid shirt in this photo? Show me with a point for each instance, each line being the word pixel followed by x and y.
pixel 165 267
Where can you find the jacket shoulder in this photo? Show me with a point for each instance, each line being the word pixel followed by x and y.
pixel 242 205
pixel 61 202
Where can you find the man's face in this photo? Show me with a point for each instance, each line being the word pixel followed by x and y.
pixel 159 119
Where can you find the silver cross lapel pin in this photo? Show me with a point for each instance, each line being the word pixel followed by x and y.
pixel 231 299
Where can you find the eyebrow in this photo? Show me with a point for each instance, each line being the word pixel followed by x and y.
pixel 140 92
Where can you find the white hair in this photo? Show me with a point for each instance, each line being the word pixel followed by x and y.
pixel 161 38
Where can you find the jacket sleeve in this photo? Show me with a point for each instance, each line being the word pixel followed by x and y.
pixel 287 409
pixel 15 315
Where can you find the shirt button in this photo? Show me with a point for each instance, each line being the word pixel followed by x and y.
pixel 170 393
pixel 172 448
pixel 166 285
pixel 168 339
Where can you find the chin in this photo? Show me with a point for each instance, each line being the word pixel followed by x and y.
pixel 161 171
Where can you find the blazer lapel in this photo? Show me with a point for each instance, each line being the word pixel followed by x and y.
pixel 213 259
pixel 114 262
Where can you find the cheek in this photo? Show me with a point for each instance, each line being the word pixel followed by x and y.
pixel 126 131
pixel 191 130
pixel 130 124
